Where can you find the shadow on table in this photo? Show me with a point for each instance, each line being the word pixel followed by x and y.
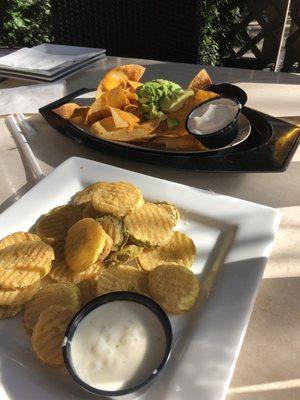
pixel 271 189
pixel 269 361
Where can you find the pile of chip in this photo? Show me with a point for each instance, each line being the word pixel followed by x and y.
pixel 107 239
pixel 117 114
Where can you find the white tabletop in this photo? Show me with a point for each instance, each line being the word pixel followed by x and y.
pixel 269 363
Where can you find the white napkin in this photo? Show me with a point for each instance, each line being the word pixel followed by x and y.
pixel 28 99
pixel 47 57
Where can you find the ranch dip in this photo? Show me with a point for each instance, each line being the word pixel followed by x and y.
pixel 213 116
pixel 117 345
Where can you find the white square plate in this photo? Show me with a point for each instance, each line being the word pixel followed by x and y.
pixel 229 233
pixel 47 59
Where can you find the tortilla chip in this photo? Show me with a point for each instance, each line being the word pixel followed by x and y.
pixel 187 143
pixel 123 119
pixel 114 78
pixel 134 72
pixel 134 85
pixel 66 110
pixel 201 80
pixel 116 98
pixel 103 130
pixel 79 115
pixel 97 112
pixel 203 95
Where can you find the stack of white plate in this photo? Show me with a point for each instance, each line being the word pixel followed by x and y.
pixel 48 62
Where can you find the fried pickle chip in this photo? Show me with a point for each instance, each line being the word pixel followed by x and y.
pixel 60 272
pixel 150 225
pixel 122 277
pixel 134 72
pixel 84 244
pixel 124 256
pixel 66 110
pixel 201 80
pixel 62 294
pixel 117 198
pixel 18 237
pixel 47 281
pixel 174 287
pixel 9 311
pixel 34 253
pixel 180 249
pixel 106 249
pixel 90 212
pixel 48 334
pixel 85 196
pixel 13 297
pixel 88 290
pixel 53 226
pixel 115 228
pixel 171 209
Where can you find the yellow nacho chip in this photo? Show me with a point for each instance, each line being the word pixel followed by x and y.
pixel 66 110
pixel 201 80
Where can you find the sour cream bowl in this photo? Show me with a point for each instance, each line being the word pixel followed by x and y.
pixel 117 344
pixel 214 122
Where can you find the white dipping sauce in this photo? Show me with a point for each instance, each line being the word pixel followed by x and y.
pixel 213 116
pixel 117 345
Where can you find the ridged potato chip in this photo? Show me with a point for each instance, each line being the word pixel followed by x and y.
pixel 150 225
pixel 53 226
pixel 60 272
pixel 88 290
pixel 10 297
pixel 62 294
pixel 119 199
pixel 180 249
pixel 18 237
pixel 9 311
pixel 124 256
pixel 48 334
pixel 201 80
pixel 115 228
pixel 174 287
pixel 84 244
pixel 122 277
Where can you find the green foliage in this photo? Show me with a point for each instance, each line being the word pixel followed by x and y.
pixel 219 18
pixel 24 22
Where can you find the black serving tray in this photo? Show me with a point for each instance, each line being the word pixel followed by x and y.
pixel 269 148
